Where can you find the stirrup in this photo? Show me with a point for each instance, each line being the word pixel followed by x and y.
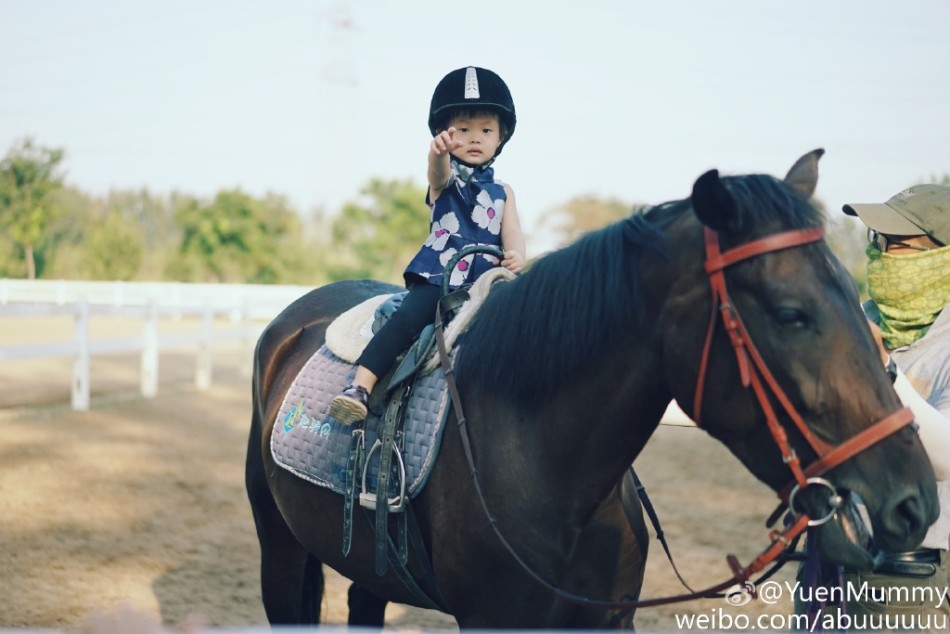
pixel 368 498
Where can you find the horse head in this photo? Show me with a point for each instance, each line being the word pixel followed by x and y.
pixel 811 411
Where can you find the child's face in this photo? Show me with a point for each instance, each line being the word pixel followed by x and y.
pixel 480 135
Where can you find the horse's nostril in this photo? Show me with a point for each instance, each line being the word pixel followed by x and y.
pixel 911 510
pixel 906 520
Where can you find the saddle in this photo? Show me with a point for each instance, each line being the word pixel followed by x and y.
pixel 422 348
pixel 381 443
pixel 348 334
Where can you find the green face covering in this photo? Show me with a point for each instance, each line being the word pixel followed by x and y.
pixel 909 290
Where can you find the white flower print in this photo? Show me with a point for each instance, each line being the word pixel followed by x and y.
pixel 491 259
pixel 442 230
pixel 461 270
pixel 488 213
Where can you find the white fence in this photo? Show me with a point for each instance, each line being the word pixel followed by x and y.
pixel 257 301
pixel 247 305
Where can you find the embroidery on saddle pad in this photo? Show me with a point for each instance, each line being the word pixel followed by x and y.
pixel 348 334
pixel 309 443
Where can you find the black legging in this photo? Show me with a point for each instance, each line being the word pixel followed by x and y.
pixel 415 313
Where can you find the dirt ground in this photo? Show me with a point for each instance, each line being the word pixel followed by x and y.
pixel 140 502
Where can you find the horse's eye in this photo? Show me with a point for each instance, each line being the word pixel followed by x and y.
pixel 790 317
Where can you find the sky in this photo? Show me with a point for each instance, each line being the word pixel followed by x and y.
pixel 615 98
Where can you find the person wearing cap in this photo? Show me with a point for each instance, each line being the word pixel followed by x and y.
pixel 471 118
pixel 908 282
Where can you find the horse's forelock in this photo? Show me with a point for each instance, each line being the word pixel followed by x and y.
pixel 764 200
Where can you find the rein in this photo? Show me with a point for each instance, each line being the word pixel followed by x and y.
pixel 753 375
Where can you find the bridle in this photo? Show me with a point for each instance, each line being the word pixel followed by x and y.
pixel 754 374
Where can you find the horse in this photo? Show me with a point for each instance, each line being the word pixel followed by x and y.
pixel 564 374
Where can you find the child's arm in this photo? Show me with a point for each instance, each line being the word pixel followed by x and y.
pixel 512 237
pixel 439 169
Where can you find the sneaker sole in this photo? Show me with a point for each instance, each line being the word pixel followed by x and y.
pixel 346 411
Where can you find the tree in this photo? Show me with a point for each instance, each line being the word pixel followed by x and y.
pixel 64 250
pixel 114 249
pixel 153 220
pixel 582 214
pixel 237 238
pixel 125 235
pixel 377 237
pixel 28 177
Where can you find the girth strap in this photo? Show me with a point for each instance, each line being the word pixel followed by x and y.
pixel 431 602
pixel 355 459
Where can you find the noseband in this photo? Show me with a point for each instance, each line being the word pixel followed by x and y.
pixel 755 374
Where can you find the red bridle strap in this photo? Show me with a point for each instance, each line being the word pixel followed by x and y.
pixel 754 373
pixel 716 261
pixel 857 443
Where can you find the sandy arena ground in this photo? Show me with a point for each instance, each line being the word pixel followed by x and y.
pixel 140 502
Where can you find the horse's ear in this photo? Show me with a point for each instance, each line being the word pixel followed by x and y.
pixel 803 177
pixel 714 205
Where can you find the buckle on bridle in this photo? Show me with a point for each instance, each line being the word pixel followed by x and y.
pixel 834 500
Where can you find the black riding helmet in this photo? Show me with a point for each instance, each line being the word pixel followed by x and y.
pixel 472 88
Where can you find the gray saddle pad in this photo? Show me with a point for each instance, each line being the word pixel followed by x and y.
pixel 311 444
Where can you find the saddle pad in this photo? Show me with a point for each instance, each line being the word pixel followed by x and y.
pixel 312 445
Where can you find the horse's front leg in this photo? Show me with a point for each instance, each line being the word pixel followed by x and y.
pixel 365 608
pixel 610 559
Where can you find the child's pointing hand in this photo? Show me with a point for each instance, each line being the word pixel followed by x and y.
pixel 445 141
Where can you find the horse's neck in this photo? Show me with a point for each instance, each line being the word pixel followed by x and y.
pixel 613 413
pixel 576 447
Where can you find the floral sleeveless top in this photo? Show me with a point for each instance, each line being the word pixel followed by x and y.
pixel 468 211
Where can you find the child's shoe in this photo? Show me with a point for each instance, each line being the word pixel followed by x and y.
pixel 349 406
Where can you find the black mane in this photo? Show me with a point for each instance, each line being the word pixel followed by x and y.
pixel 534 332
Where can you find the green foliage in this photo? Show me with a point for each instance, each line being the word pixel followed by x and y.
pixel 51 230
pixel 28 177
pixel 12 262
pixel 114 250
pixel 122 236
pixel 67 234
pixel 237 238
pixel 376 238
pixel 153 221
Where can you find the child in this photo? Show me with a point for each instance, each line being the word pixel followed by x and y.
pixel 471 117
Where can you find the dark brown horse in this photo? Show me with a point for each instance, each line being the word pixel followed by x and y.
pixel 564 375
